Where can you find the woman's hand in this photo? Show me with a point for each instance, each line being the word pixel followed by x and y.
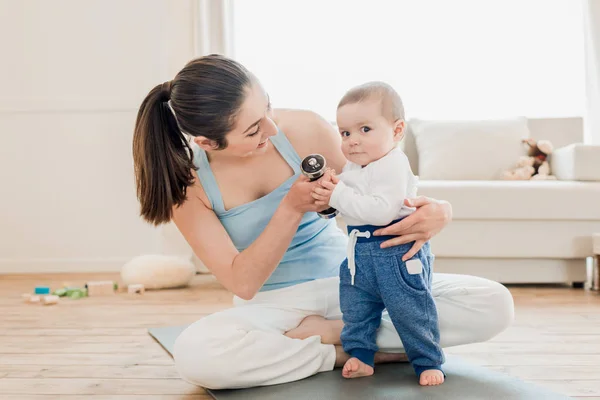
pixel 300 198
pixel 430 218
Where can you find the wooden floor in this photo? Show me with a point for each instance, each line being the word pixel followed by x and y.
pixel 98 348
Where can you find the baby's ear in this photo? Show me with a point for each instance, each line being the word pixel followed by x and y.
pixel 399 127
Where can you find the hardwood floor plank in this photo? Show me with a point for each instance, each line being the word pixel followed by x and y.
pixel 82 348
pixel 73 332
pixel 60 386
pixel 160 358
pixel 15 341
pixel 90 371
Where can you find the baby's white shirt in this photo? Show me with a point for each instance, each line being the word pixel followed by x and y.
pixel 374 195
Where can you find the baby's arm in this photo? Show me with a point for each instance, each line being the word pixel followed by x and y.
pixel 388 183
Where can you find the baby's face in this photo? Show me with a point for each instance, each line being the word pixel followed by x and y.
pixel 366 134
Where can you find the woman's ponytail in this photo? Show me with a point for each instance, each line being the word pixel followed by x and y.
pixel 162 158
pixel 203 100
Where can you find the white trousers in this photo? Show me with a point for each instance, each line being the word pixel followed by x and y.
pixel 245 346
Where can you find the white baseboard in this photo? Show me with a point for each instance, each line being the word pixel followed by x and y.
pixel 57 265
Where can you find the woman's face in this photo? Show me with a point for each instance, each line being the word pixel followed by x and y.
pixel 253 127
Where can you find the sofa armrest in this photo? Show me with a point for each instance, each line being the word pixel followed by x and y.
pixel 576 162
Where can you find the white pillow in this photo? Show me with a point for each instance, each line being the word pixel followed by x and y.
pixel 468 150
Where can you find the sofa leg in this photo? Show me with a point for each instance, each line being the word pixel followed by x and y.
pixel 578 285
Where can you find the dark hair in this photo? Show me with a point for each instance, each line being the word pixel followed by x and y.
pixel 203 100
pixel 391 103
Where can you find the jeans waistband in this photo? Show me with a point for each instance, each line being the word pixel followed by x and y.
pixel 371 229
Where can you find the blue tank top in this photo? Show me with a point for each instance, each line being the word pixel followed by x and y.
pixel 318 247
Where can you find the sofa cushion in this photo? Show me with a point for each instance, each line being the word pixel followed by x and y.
pixel 469 150
pixel 577 162
pixel 482 239
pixel 524 200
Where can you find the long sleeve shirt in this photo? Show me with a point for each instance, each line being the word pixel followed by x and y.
pixel 374 195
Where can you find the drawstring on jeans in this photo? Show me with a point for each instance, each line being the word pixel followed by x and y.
pixel 350 253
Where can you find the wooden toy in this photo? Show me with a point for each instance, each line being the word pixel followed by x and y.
pixel 49 300
pixel 34 298
pixel 100 288
pixel 136 289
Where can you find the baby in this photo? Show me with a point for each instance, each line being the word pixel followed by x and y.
pixel 370 194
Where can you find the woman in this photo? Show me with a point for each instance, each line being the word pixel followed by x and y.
pixel 236 194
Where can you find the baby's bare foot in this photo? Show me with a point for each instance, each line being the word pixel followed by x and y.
pixel 431 377
pixel 314 325
pixel 354 368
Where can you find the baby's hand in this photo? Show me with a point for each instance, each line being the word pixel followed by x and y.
pixel 322 192
pixel 328 175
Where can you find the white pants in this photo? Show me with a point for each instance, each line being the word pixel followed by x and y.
pixel 245 346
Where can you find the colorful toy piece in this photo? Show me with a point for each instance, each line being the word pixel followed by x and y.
pixel 71 292
pixel 42 290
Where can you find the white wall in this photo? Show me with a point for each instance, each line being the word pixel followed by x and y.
pixel 72 75
pixel 591 10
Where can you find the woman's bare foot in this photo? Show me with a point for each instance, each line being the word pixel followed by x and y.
pixel 431 377
pixel 380 358
pixel 315 325
pixel 384 358
pixel 330 331
pixel 354 368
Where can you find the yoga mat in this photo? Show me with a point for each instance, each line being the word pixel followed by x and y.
pixel 464 381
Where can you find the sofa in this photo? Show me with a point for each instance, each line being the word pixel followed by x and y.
pixel 510 231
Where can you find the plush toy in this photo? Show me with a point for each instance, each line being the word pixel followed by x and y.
pixel 540 151
pixel 535 165
pixel 523 170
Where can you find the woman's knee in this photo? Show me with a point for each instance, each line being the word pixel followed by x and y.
pixel 200 355
pixel 501 310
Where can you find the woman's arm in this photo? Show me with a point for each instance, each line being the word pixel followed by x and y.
pixel 427 221
pixel 242 273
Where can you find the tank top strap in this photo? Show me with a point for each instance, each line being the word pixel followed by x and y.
pixel 207 178
pixel 287 151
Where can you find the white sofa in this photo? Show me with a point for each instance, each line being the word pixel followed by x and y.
pixel 522 231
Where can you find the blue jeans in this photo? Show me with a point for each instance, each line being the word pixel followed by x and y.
pixel 383 280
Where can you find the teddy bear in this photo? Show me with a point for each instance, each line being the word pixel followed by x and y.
pixel 523 170
pixel 535 165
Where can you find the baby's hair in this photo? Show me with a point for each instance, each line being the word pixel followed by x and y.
pixel 391 103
